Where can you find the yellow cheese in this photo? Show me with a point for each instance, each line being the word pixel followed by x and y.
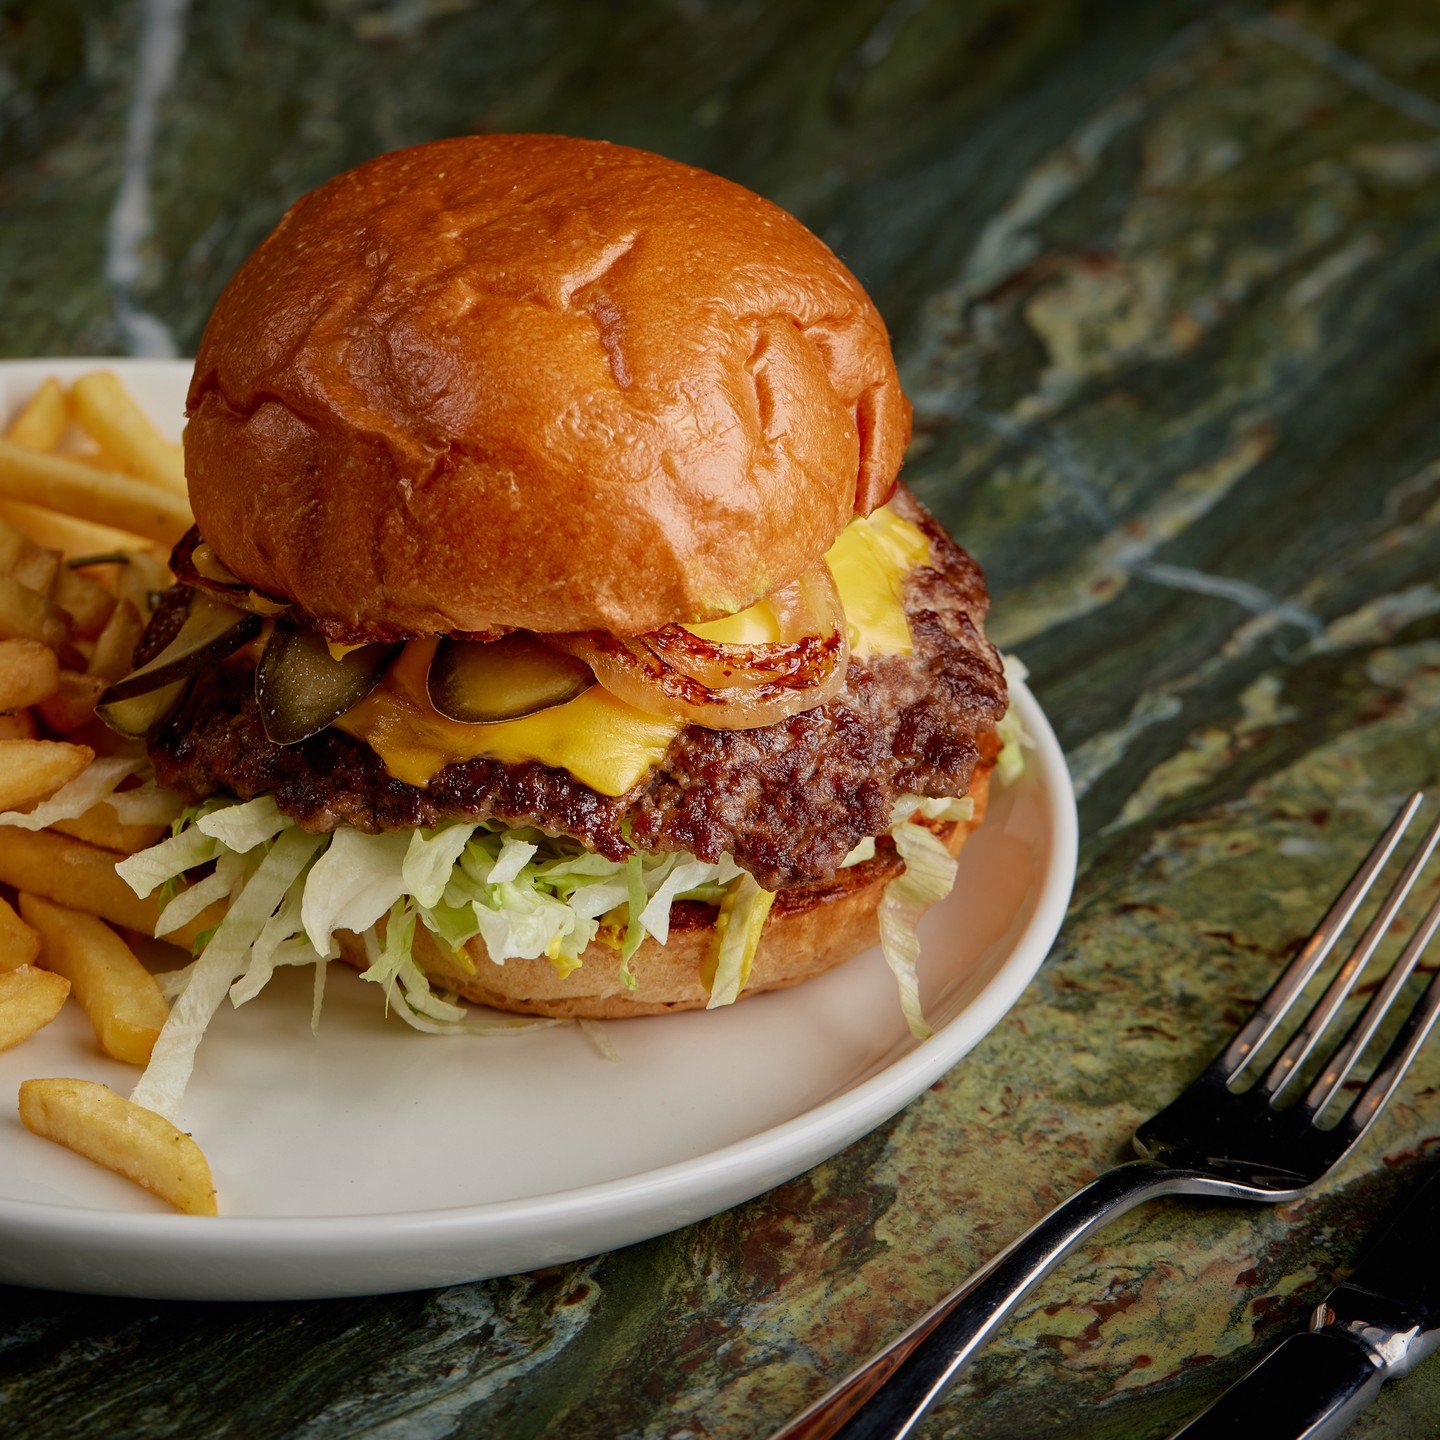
pixel 757 625
pixel 603 742
pixel 870 561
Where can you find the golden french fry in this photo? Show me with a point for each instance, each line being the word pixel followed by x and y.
pixel 104 409
pixel 37 569
pixel 29 1000
pixel 32 769
pixel 82 877
pixel 118 993
pixel 14 544
pixel 114 652
pixel 76 538
pixel 73 703
pixel 93 1121
pixel 106 496
pixel 19 726
pixel 29 673
pixel 41 420
pixel 85 600
pixel 101 826
pixel 19 944
pixel 24 615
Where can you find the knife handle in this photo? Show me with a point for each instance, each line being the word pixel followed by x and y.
pixel 1310 1388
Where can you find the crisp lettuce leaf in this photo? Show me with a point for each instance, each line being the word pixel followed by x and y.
pixel 929 875
pixel 147 870
pixel 243 827
pixel 1014 741
pixel 737 938
pixel 356 880
pixel 430 861
pixel 221 963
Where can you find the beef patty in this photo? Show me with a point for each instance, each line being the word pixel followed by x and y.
pixel 788 801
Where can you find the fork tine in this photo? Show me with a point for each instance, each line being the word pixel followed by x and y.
pixel 1307 1037
pixel 1281 996
pixel 1338 1068
pixel 1406 1046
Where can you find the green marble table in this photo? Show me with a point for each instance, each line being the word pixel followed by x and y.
pixel 1164 281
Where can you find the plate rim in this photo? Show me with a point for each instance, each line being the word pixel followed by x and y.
pixel 816 1133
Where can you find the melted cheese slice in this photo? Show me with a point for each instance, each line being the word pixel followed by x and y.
pixel 870 561
pixel 603 742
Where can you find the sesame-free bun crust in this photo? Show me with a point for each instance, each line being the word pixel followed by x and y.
pixel 532 381
pixel 810 929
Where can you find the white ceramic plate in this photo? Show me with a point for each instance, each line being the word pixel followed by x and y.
pixel 373 1158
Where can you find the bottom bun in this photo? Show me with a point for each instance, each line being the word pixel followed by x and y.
pixel 810 929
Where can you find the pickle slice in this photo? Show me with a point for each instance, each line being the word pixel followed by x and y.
pixel 140 714
pixel 302 687
pixel 480 682
pixel 210 632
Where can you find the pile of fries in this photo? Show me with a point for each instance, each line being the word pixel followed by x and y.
pixel 91 499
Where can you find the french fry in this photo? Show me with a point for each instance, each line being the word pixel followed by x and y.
pixel 73 703
pixel 13 545
pixel 19 944
pixel 82 877
pixel 117 992
pixel 114 652
pixel 106 496
pixel 93 1121
pixel 103 408
pixel 29 673
pixel 41 420
pixel 75 538
pixel 101 826
pixel 24 615
pixel 30 770
pixel 85 600
pixel 29 1000
pixel 37 569
pixel 19 726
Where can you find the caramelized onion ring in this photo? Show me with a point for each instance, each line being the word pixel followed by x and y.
pixel 721 686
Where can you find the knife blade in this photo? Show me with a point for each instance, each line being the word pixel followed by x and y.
pixel 1381 1322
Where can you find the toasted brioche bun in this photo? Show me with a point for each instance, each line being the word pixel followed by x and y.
pixel 810 929
pixel 531 381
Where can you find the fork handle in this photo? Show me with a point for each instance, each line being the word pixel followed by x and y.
pixel 886 1397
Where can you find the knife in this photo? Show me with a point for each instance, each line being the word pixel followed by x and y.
pixel 1382 1322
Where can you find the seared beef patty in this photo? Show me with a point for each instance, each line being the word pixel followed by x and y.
pixel 788 801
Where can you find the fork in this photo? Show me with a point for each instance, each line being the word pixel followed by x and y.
pixel 1213 1140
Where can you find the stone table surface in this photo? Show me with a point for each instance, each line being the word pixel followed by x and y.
pixel 1164 282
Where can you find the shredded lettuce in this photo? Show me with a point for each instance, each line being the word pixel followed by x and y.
pixel 288 895
pixel 929 875
pixel 1014 742
pixel 600 1040
pixel 737 931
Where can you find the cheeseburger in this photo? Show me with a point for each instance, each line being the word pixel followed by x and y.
pixel 554 634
